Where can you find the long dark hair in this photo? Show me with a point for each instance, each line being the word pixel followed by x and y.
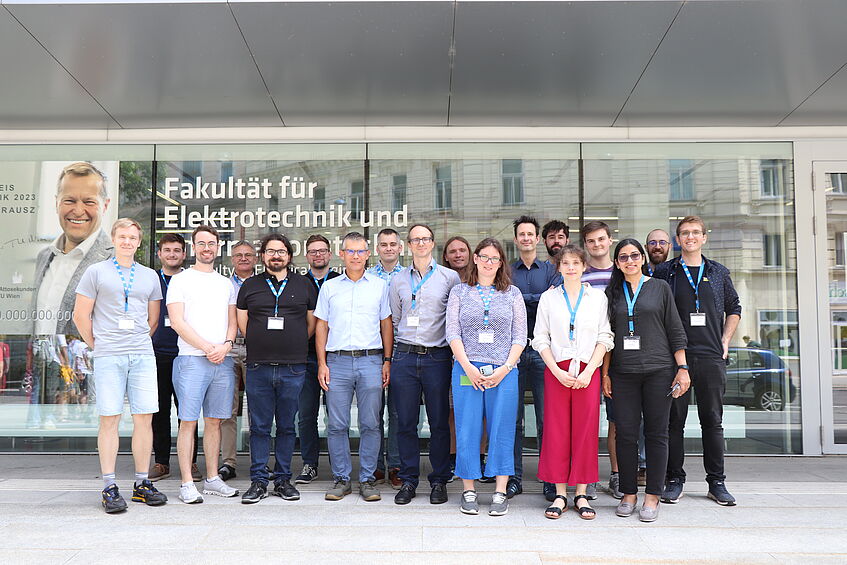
pixel 503 278
pixel 614 291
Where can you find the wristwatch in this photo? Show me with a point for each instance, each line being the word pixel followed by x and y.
pixel 386 359
pixel 682 367
pixel 230 342
pixel 508 366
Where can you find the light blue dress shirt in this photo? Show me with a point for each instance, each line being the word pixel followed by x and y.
pixel 353 311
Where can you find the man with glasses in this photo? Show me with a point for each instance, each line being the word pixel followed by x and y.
pixel 354 339
pixel 556 234
pixel 658 245
pixel 201 307
pixel 388 249
pixel 710 310
pixel 317 256
pixel 422 363
pixel 533 277
pixel 243 266
pixel 275 315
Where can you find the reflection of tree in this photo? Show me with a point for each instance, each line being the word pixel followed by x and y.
pixel 134 182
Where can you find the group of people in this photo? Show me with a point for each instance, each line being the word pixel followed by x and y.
pixel 465 338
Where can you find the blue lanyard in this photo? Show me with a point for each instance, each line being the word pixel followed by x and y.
pixel 486 302
pixel 696 287
pixel 417 287
pixel 573 310
pixel 164 280
pixel 277 293
pixel 315 279
pixel 630 301
pixel 650 270
pixel 127 287
pixel 237 280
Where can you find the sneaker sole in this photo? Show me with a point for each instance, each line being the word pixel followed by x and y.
pixel 286 497
pixel 497 513
pixel 114 510
pixel 335 496
pixel 149 502
pixel 299 481
pixel 198 500
pixel 469 512
pixel 372 498
pixel 222 495
pixel 254 500
pixel 672 500
pixel 713 497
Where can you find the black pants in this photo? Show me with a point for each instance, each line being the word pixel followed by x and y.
pixel 162 418
pixel 708 379
pixel 635 395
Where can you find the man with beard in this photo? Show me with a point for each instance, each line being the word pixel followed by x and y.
pixel 532 277
pixel 275 316
pixel 201 307
pixel 244 266
pixel 317 255
pixel 556 235
pixel 657 245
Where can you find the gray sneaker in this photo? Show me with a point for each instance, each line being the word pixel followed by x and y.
pixel 499 504
pixel 219 488
pixel 339 490
pixel 469 503
pixel 369 492
pixel 615 486
pixel 189 495
pixel 591 491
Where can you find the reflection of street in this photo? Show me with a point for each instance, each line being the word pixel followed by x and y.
pixel 839 407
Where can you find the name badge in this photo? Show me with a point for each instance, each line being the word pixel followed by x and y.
pixel 276 323
pixel 167 322
pixel 413 321
pixel 486 337
pixel 126 324
pixel 631 342
pixel 698 319
pixel 573 369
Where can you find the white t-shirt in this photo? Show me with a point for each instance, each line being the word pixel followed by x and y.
pixel 206 298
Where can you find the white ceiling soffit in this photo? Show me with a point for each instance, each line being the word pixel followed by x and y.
pixel 150 64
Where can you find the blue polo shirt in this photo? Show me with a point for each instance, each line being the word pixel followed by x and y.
pixel 532 282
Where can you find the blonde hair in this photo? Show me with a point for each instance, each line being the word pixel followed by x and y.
pixel 83 169
pixel 126 223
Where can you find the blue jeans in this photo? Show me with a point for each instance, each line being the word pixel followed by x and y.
pixel 530 376
pixel 412 374
pixel 273 392
pixel 497 406
pixel 309 407
pixel 362 376
pixel 389 439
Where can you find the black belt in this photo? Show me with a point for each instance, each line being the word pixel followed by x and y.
pixel 358 352
pixel 419 349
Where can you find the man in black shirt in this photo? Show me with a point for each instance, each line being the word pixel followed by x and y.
pixel 275 316
pixel 710 310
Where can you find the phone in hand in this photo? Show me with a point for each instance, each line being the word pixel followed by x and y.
pixel 673 389
pixel 486 370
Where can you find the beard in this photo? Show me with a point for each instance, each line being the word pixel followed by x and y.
pixel 553 250
pixel 275 266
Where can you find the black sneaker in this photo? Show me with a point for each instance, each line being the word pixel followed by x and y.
pixel 405 494
pixel 226 472
pixel 549 490
pixel 147 493
pixel 256 492
pixel 673 491
pixel 307 475
pixel 113 502
pixel 513 487
pixel 718 493
pixel 286 491
pixel 438 494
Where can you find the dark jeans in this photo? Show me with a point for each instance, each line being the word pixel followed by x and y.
pixel 162 419
pixel 273 392
pixel 411 374
pixel 530 376
pixel 309 407
pixel 708 379
pixel 635 395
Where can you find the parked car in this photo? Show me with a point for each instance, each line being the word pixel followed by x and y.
pixel 758 378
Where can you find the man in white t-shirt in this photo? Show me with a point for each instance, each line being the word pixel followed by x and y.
pixel 201 308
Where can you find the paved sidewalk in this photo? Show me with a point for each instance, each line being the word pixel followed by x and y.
pixel 791 510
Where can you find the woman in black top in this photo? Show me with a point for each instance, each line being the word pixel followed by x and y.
pixel 643 371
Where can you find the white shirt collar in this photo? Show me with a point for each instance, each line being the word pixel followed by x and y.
pixel 82 249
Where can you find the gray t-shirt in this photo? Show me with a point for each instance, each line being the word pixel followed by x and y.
pixel 102 282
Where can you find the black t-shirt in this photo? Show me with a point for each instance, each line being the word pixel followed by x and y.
pixel 164 338
pixel 702 341
pixel 317 284
pixel 290 344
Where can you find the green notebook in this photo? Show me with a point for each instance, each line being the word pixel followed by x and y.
pixel 465 381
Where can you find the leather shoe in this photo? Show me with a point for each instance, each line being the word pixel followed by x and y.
pixel 226 472
pixel 438 494
pixel 405 494
pixel 513 487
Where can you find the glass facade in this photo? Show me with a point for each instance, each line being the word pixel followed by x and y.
pixel 743 191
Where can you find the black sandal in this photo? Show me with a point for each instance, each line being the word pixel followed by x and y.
pixel 585 512
pixel 555 509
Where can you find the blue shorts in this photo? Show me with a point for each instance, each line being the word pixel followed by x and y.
pixel 199 383
pixel 610 409
pixel 131 375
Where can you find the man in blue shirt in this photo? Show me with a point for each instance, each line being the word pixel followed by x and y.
pixel 532 277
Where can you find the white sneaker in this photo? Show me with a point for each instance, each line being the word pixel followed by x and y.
pixel 189 495
pixel 219 488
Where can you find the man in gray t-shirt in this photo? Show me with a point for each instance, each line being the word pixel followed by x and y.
pixel 116 312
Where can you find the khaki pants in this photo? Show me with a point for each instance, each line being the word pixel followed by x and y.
pixel 229 427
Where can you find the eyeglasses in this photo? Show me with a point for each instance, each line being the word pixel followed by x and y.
pixel 691 233
pixel 487 259
pixel 354 252
pixel 276 252
pixel 316 252
pixel 655 242
pixel 634 257
pixel 419 240
pixel 206 244
pixel 244 255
